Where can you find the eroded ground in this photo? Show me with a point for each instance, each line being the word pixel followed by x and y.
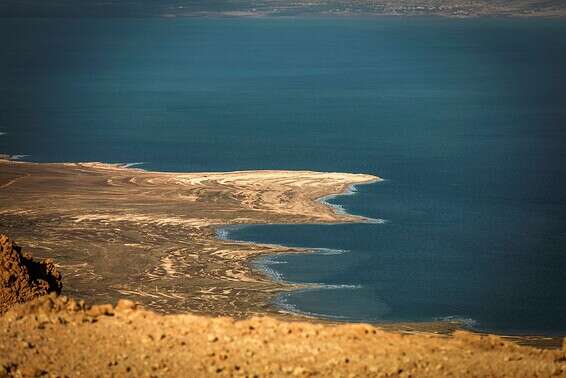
pixel 150 237
pixel 127 233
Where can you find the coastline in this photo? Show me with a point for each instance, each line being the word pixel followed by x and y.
pixel 121 232
pixel 164 226
pixel 262 263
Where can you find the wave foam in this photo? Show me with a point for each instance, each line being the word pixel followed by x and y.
pixel 336 287
pixel 329 251
pixel 18 157
pixel 341 210
pixel 129 165
pixel 464 321
pixel 269 260
pixel 222 234
pixel 284 306
pixel 273 274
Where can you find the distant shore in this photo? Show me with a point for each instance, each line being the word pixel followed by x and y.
pixel 283 8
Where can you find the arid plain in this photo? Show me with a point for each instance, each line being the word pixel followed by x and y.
pixel 119 232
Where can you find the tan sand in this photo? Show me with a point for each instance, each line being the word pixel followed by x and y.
pixel 150 236
pixel 57 337
pixel 22 278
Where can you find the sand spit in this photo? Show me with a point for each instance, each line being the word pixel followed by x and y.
pixel 22 278
pixel 120 232
pixel 56 336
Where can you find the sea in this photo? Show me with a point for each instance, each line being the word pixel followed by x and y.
pixel 464 119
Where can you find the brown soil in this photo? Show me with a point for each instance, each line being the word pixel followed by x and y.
pixel 55 336
pixel 22 278
pixel 150 236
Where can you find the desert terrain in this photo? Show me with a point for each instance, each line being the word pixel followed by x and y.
pixel 59 337
pixel 118 232
pixel 147 242
pixel 275 8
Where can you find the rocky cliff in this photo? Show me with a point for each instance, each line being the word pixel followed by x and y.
pixel 22 278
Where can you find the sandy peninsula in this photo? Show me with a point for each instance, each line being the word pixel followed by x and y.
pixel 118 232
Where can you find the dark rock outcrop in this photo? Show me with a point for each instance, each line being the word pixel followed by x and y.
pixel 22 278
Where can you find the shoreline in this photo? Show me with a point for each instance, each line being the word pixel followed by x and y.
pixel 122 232
pixel 135 342
pixel 261 263
pixel 202 203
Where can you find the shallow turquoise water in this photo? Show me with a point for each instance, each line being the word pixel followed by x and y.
pixel 465 119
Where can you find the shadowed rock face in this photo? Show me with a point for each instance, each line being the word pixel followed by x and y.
pixel 22 278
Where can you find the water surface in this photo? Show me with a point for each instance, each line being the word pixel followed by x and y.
pixel 463 118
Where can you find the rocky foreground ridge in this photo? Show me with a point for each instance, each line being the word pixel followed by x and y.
pixel 57 337
pixel 22 278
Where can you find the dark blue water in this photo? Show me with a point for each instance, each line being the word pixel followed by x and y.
pixel 464 118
